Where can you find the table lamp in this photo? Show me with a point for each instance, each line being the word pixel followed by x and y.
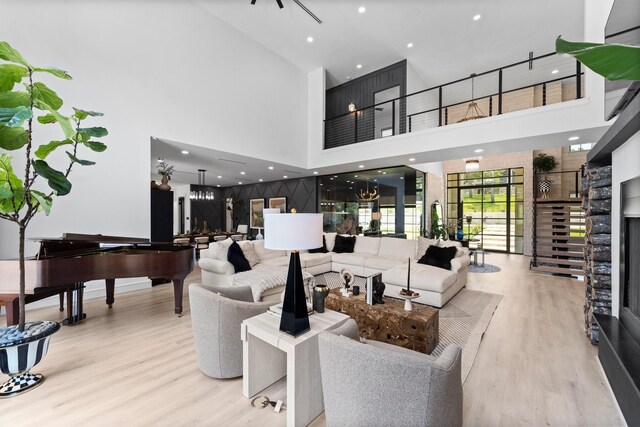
pixel 293 232
pixel 266 211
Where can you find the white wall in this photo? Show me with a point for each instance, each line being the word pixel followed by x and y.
pixel 164 68
pixel 625 166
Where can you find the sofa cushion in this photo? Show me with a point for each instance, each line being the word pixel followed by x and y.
pixel 438 257
pixel 423 277
pixel 450 244
pixel 367 245
pixel 423 244
pixel 399 248
pixel 264 253
pixel 344 244
pixel 322 249
pixel 249 253
pixel 330 240
pixel 383 262
pixel 281 261
pixel 236 257
pixel 218 250
pixel 312 260
pixel 349 259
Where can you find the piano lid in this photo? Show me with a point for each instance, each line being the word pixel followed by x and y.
pixel 94 238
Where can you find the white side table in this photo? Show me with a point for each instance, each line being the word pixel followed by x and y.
pixel 269 354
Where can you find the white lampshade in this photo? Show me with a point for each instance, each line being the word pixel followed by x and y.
pixel 268 211
pixel 295 231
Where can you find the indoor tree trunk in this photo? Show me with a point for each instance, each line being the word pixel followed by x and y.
pixel 22 281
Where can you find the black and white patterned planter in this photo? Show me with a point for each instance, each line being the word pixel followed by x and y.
pixel 544 186
pixel 19 352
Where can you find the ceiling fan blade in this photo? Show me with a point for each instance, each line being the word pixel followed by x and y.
pixel 306 10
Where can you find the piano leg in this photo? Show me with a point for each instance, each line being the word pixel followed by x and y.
pixel 74 305
pixel 12 308
pixel 61 295
pixel 178 285
pixel 110 284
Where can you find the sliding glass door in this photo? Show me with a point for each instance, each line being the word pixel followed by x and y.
pixel 489 206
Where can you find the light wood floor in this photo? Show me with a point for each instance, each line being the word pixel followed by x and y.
pixel 135 365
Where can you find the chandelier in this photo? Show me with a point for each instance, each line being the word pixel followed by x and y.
pixel 201 191
pixel 472 165
pixel 473 111
pixel 367 195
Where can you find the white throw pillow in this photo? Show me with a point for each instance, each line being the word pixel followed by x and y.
pixel 218 250
pixel 330 240
pixel 423 244
pixel 449 243
pixel 249 253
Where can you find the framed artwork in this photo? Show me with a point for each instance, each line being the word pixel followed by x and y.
pixel 256 220
pixel 278 203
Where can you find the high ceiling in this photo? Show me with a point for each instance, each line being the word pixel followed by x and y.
pixel 447 43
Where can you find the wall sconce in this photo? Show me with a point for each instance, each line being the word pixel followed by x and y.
pixel 352 107
pixel 472 165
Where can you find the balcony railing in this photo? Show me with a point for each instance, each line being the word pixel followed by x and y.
pixel 534 82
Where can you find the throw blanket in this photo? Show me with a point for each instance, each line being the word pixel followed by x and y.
pixel 267 277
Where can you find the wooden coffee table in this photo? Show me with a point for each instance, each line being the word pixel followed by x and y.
pixel 416 330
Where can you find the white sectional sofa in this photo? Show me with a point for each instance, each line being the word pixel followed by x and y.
pixel 371 255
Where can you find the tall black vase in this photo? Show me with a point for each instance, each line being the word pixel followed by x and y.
pixel 295 318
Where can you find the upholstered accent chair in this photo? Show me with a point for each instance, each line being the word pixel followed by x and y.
pixel 377 384
pixel 216 315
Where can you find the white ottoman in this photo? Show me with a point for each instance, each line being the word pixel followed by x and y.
pixel 435 285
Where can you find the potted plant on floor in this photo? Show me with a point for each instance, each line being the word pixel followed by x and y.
pixel 542 164
pixel 22 346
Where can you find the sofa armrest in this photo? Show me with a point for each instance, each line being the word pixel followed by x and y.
pixel 216 266
pixel 459 263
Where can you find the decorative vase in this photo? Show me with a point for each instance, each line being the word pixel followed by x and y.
pixel 165 184
pixel 460 234
pixel 544 187
pixel 154 185
pixel 320 292
pixel 21 351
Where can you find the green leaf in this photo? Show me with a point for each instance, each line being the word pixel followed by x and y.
pixel 44 150
pixel 13 138
pixel 64 121
pixel 11 188
pixel 42 93
pixel 96 146
pixel 14 99
pixel 41 201
pixel 96 132
pixel 55 71
pixel 612 61
pixel 82 114
pixel 5 192
pixel 10 54
pixel 74 159
pixel 47 119
pixel 10 74
pixel 14 117
pixel 56 179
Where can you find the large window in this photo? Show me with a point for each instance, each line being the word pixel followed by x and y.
pixel 489 207
pixel 384 202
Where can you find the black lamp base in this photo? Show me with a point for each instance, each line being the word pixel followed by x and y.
pixel 295 318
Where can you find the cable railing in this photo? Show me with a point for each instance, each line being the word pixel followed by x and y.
pixel 534 82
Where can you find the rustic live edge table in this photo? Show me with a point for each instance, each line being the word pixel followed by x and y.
pixel 416 330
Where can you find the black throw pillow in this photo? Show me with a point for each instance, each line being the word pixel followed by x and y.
pixel 438 257
pixel 236 257
pixel 344 244
pixel 322 249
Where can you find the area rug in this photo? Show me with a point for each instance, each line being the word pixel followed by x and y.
pixel 463 320
pixel 486 268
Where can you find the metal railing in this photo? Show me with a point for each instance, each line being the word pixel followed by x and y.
pixel 534 82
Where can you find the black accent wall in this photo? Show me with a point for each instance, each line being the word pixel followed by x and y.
pixel 301 194
pixel 211 211
pixel 161 216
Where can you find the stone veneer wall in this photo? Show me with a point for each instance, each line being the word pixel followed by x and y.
pixel 596 202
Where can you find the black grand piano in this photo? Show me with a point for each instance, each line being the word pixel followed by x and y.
pixel 64 264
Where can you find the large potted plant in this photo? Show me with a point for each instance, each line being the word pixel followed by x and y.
pixel 23 345
pixel 542 164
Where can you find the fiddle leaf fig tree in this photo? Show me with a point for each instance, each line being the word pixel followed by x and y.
pixel 25 193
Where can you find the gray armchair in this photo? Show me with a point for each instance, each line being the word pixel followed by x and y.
pixel 378 384
pixel 216 315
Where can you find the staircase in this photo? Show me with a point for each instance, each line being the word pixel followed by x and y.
pixel 558 236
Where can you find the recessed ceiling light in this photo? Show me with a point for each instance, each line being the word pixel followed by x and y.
pixel 218 185
pixel 384 173
pixel 379 171
pixel 375 180
pixel 219 176
pixel 554 72
pixel 574 138
pixel 285 176
pixel 361 166
pixel 260 179
pixel 477 17
pixel 479 150
pixel 270 168
pixel 355 176
pixel 310 39
pixel 160 160
pixel 331 179
pixel 359 66
pixel 409 45
pixel 242 173
pixel 348 77
pixel 315 172
pixel 402 177
pixel 362 9
pixel 335 176
pixel 184 152
pixel 350 188
pixel 412 159
pixel 240 182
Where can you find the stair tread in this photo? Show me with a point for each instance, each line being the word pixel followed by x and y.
pixel 560 245
pixel 543 269
pixel 559 261
pixel 573 254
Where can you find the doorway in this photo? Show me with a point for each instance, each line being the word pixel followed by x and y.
pixel 489 207
pixel 386 112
